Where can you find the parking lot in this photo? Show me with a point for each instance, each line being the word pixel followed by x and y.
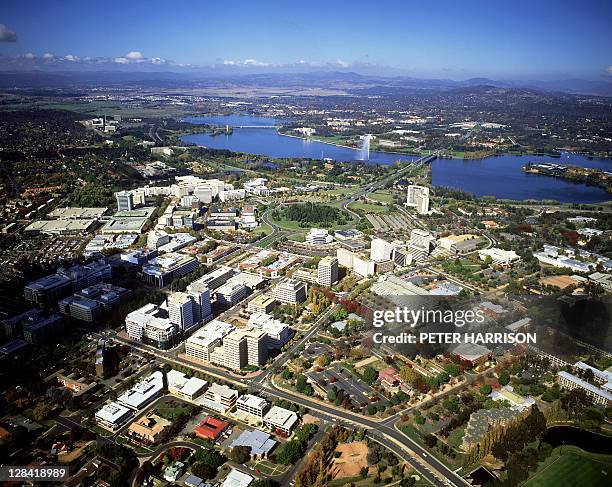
pixel 360 393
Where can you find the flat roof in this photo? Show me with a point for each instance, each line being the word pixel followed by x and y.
pixel 190 386
pixel 112 412
pixel 252 401
pixel 260 443
pixel 236 478
pixel 281 417
pixel 143 391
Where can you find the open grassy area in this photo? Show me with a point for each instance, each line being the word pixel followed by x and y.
pixel 570 466
pixel 382 195
pixel 266 467
pixel 367 207
pixel 456 436
pixel 171 410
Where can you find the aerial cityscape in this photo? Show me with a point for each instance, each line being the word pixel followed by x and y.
pixel 341 244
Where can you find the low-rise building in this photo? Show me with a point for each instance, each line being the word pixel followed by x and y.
pixel 258 442
pixel 252 405
pixel 499 256
pixel 149 428
pixel 144 392
pixel 280 419
pixel 113 415
pixel 220 397
pixel 210 428
pixel 599 395
pixel 186 388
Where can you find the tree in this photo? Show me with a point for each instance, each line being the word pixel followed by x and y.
pixel 289 452
pixel 504 378
pixel 210 457
pixel 486 389
pixel 409 375
pixel 203 471
pixel 452 369
pixel 430 440
pixel 41 411
pixel 370 374
pixel 240 454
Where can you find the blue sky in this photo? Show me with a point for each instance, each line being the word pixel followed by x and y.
pixel 453 39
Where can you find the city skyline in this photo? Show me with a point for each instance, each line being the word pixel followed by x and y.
pixel 543 41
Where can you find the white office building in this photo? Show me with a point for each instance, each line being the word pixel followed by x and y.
pixel 201 344
pixel 499 256
pixel 290 291
pixel 327 271
pixel 185 388
pixel 418 198
pixel 281 419
pixel 220 397
pixel 381 250
pixel 144 392
pixel 252 405
pixel 318 236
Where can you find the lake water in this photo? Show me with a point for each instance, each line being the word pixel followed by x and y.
pixel 500 176
pixel 268 142
pixel 570 435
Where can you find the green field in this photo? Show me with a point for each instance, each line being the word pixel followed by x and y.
pixel 367 207
pixel 569 466
pixel 381 195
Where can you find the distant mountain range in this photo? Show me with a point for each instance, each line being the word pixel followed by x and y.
pixel 346 80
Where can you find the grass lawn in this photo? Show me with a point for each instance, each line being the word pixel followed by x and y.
pixel 266 467
pixel 337 191
pixel 456 436
pixel 367 207
pixel 384 196
pixel 171 411
pixel 570 466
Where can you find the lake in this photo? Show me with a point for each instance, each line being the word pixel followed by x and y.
pixel 268 142
pixel 570 435
pixel 500 176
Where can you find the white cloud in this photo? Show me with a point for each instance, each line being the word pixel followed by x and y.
pixel 71 57
pixel 609 70
pixel 254 62
pixel 122 60
pixel 48 55
pixel 134 55
pixel 28 55
pixel 342 64
pixel 6 34
pixel 229 62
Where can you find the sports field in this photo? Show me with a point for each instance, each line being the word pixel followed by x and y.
pixel 573 467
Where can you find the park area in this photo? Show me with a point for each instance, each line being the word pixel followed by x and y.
pixel 570 466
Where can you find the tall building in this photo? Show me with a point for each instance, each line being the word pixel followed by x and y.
pixel 125 201
pixel 180 309
pixel 201 301
pixel 327 271
pixel 201 344
pixel 257 350
pixel 290 291
pixel 380 250
pixel 418 197
pixel 233 354
pixel 420 244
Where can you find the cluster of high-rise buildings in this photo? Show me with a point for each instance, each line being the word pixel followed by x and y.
pixel 234 348
pixel 180 314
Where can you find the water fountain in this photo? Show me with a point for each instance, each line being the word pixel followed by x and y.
pixel 365 148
